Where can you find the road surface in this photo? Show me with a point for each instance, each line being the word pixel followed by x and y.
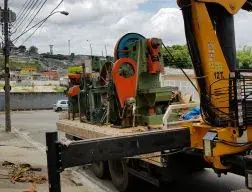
pixel 34 124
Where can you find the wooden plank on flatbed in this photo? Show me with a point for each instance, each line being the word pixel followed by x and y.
pixel 85 130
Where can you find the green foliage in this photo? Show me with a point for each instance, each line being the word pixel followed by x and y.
pixel 37 65
pixel 58 56
pixel 244 58
pixel 180 56
pixel 22 48
pixel 33 50
pixel 1 86
pixel 75 69
pixel 59 89
pixel 15 65
pixel 72 56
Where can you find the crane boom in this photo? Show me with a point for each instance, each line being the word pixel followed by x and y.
pixel 209 28
pixel 224 90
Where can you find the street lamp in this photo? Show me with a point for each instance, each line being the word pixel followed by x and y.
pixel 41 22
pixel 63 12
pixel 91 50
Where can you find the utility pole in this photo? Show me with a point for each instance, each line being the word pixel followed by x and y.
pixel 6 64
pixel 91 51
pixel 69 47
pixel 106 52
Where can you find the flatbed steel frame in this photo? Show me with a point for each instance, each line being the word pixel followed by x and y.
pixel 61 155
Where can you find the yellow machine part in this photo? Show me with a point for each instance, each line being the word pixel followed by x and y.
pixel 229 134
pixel 215 69
pixel 232 6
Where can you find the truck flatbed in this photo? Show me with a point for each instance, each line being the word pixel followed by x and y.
pixel 90 131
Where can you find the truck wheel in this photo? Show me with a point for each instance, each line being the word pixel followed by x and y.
pixel 121 179
pixel 100 169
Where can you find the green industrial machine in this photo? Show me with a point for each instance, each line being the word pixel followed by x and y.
pixel 152 99
pixel 127 92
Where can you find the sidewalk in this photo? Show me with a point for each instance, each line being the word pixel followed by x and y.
pixel 17 150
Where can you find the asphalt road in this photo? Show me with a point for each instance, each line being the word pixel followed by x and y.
pixel 36 123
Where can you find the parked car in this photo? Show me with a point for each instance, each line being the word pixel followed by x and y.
pixel 60 105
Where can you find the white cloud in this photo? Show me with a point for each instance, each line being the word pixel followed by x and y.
pixel 167 24
pixel 105 21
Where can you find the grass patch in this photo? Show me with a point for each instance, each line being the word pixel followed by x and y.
pixel 59 89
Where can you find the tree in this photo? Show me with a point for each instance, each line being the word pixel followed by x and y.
pixel 22 49
pixel 180 56
pixel 244 58
pixel 72 56
pixel 33 50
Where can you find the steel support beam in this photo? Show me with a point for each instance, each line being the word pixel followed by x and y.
pixel 53 162
pixel 61 155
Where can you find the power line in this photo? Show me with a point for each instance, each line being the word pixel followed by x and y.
pixel 27 15
pixel 42 23
pixel 28 11
pixel 24 9
pixel 21 10
pixel 33 10
pixel 28 30
pixel 35 15
pixel 33 32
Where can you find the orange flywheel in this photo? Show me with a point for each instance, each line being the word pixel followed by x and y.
pixel 124 74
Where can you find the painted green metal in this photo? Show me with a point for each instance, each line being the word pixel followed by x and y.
pixel 99 103
pixel 150 94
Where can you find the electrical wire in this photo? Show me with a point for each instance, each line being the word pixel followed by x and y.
pixel 183 71
pixel 25 15
pixel 14 40
pixel 35 14
pixel 33 10
pixel 25 30
pixel 21 11
pixel 39 24
pixel 42 23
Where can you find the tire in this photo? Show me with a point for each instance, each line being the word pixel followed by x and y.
pixel 100 169
pixel 120 176
pixel 59 109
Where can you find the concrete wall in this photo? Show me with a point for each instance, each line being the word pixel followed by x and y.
pixel 33 83
pixel 175 78
pixel 184 86
pixel 27 101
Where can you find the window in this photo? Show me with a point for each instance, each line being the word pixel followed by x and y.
pixel 63 102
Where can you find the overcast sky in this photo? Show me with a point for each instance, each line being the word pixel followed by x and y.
pixel 103 22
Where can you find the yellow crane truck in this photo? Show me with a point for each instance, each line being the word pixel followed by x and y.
pixel 122 124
